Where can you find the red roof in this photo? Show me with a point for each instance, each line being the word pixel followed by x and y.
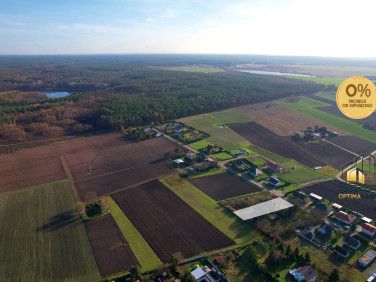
pixel 186 151
pixel 369 227
pixel 273 165
pixel 220 259
pixel 344 216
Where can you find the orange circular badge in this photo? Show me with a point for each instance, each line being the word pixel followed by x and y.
pixel 356 97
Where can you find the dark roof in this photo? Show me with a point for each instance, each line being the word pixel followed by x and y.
pixel 307 271
pixel 309 235
pixel 239 162
pixel 299 195
pixel 341 250
pixel 350 241
pixel 322 206
pixel 327 228
pixel 273 180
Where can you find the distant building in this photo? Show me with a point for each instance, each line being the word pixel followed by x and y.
pixel 367 258
pixel 240 165
pixel 315 197
pixel 178 161
pixel 325 229
pixel 241 152
pixel 274 167
pixel 336 206
pixel 187 152
pixel 341 251
pixel 254 171
pixel 368 229
pixel 205 274
pixel 309 236
pixel 351 242
pixel 305 272
pixel 344 217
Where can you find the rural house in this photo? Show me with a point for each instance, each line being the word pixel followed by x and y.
pixel 254 171
pixel 241 152
pixel 187 152
pixel 274 181
pixel 325 229
pixel 367 258
pixel 305 272
pixel 341 251
pixel 351 242
pixel 205 274
pixel 323 207
pixel 300 195
pixel 240 165
pixel 344 217
pixel 274 167
pixel 368 229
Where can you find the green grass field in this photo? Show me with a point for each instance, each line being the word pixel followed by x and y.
pixel 230 116
pixel 143 252
pixel 301 175
pixel 222 156
pixel 42 237
pixel 267 154
pixel 224 137
pixel 198 69
pixel 331 96
pixel 307 106
pixel 233 227
pixel 321 80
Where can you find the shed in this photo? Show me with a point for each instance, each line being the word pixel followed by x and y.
pixel 316 197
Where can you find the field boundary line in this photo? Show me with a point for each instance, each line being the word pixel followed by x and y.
pixel 340 147
pixel 70 178
pixel 108 173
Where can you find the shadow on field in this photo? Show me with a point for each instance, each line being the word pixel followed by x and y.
pixel 158 161
pixel 59 221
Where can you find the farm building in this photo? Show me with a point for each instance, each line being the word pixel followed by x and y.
pixel 178 161
pixel 368 229
pixel 315 197
pixel 305 272
pixel 274 167
pixel 344 217
pixel 367 258
pixel 263 209
pixel 325 229
pixel 205 274
pixel 274 181
pixel 341 251
pixel 254 171
pixel 351 242
pixel 366 219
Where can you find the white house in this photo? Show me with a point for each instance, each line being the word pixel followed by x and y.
pixel 305 272
pixel 368 229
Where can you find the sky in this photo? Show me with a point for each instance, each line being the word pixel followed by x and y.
pixel 338 28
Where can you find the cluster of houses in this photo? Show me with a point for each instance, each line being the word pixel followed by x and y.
pixel 350 243
pixel 194 162
pixel 181 132
pixel 272 167
pixel 314 134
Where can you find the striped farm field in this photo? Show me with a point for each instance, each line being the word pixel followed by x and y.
pixel 42 238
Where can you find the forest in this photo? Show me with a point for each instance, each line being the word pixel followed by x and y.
pixel 113 91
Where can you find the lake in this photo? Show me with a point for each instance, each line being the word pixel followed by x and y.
pixel 275 73
pixel 56 94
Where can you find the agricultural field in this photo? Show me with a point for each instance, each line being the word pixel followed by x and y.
pixel 223 186
pixel 365 122
pixel 232 226
pixel 326 152
pixel 354 144
pixel 307 106
pixel 224 137
pixel 330 190
pixel 330 96
pixel 42 238
pixel 111 251
pixel 102 164
pixel 158 214
pixel 282 121
pixel 145 255
pixel 268 140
